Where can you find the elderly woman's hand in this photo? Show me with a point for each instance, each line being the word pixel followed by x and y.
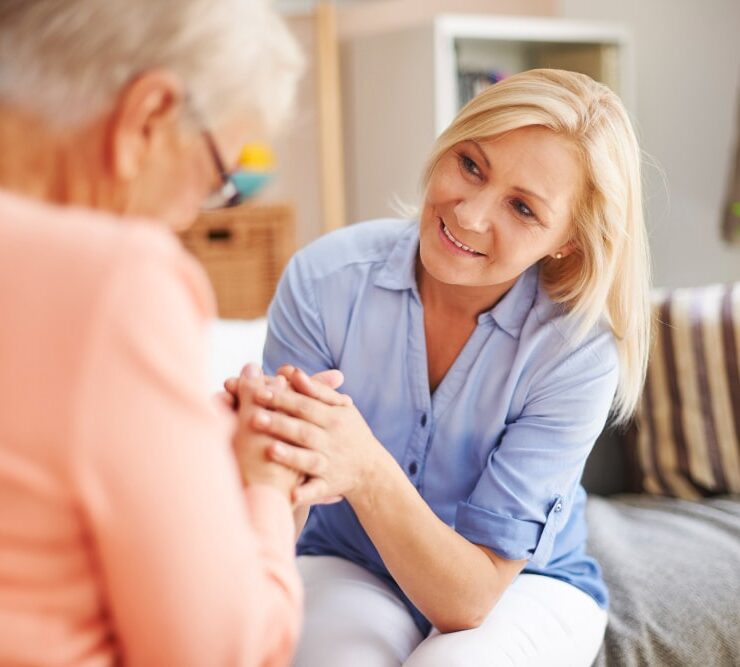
pixel 251 446
pixel 329 439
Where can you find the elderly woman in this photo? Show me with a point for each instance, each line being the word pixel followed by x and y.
pixel 126 535
pixel 484 347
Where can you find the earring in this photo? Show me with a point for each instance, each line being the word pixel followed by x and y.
pixel 558 255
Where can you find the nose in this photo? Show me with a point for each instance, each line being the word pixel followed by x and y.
pixel 475 213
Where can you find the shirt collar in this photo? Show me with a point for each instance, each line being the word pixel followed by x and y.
pixel 399 273
pixel 512 310
pixel 399 270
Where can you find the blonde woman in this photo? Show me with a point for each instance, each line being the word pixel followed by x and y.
pixel 484 347
pixel 126 536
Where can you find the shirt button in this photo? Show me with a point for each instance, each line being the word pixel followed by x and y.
pixel 413 467
pixel 558 507
pixel 423 420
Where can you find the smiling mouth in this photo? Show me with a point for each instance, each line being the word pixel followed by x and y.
pixel 459 244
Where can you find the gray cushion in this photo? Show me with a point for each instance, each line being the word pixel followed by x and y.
pixel 673 570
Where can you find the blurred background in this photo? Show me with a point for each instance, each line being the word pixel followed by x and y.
pixel 384 77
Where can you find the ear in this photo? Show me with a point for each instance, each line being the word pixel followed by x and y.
pixel 564 250
pixel 146 109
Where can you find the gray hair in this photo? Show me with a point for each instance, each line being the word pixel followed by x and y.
pixel 67 60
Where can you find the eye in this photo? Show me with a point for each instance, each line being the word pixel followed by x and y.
pixel 522 209
pixel 469 165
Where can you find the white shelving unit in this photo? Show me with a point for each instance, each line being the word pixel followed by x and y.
pixel 401 89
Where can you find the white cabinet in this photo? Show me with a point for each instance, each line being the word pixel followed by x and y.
pixel 402 88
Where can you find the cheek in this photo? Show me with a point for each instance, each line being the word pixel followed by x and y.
pixel 188 190
pixel 447 184
pixel 445 189
pixel 516 244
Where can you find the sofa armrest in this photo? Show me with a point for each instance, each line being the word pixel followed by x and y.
pixel 606 471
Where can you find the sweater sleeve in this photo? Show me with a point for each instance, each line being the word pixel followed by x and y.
pixel 196 569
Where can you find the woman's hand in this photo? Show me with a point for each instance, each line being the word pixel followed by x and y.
pixel 251 446
pixel 331 378
pixel 329 439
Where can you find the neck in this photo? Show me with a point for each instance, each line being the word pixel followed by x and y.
pixel 459 300
pixel 47 164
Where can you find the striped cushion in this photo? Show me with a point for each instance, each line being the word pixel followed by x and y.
pixel 687 437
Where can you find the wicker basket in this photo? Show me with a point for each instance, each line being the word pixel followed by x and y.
pixel 244 250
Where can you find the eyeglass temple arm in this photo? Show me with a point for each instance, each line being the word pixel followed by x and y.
pixel 215 155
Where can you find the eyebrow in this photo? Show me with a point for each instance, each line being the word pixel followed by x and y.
pixel 481 151
pixel 535 195
pixel 517 188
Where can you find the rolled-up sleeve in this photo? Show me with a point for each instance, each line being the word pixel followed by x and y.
pixel 525 493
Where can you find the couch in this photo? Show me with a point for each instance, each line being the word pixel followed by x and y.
pixel 672 567
pixel 664 510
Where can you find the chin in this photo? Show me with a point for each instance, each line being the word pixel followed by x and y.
pixel 180 219
pixel 180 224
pixel 441 269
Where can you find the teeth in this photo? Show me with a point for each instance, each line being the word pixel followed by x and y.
pixel 449 235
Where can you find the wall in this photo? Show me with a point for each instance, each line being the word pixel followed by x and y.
pixel 687 55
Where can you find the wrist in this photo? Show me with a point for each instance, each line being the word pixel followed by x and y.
pixel 273 475
pixel 376 480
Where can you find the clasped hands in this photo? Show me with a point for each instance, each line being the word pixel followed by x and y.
pixel 298 433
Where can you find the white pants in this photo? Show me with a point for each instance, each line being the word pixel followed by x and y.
pixel 354 620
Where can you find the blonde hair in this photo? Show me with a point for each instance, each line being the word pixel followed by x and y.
pixel 609 274
pixel 66 60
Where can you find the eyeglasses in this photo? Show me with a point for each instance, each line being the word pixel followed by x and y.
pixel 228 193
pixel 237 185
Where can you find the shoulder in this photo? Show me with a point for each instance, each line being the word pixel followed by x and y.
pixel 83 288
pixel 151 271
pixel 559 338
pixel 158 258
pixel 93 251
pixel 362 244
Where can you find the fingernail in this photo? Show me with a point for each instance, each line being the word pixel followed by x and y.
pixel 278 449
pixel 252 371
pixel 262 418
pixel 302 375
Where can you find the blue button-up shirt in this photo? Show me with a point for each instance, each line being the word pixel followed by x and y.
pixel 498 450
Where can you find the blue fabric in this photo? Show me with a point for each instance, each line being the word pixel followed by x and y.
pixel 498 450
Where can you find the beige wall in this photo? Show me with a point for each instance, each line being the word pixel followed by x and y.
pixel 687 55
pixel 297 148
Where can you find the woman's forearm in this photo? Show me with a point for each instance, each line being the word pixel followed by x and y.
pixel 452 581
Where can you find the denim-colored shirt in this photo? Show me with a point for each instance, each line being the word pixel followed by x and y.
pixel 498 449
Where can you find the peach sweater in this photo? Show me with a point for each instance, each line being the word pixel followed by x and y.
pixel 125 534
